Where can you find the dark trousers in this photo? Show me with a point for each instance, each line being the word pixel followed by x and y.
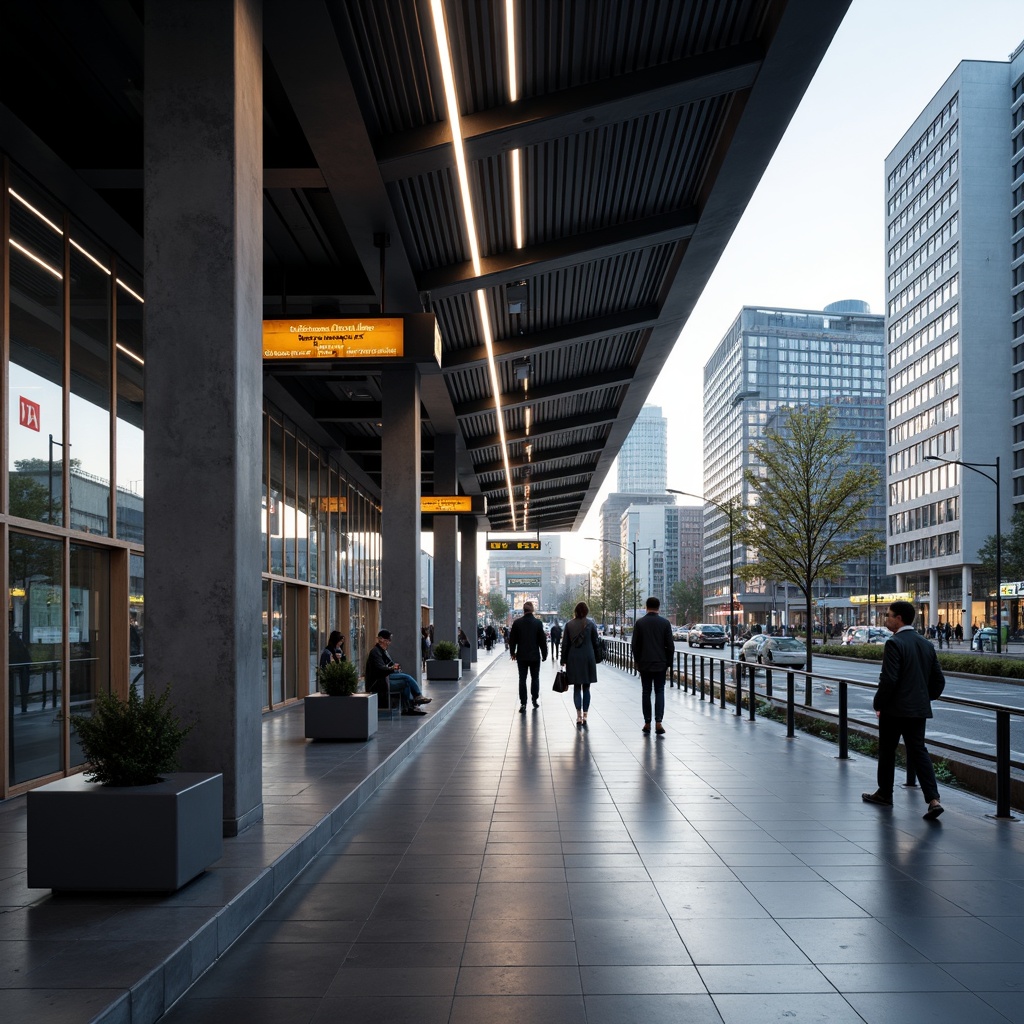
pixel 554 651
pixel 890 729
pixel 534 667
pixel 657 681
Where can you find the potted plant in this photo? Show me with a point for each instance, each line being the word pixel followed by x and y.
pixel 130 821
pixel 339 711
pixel 444 663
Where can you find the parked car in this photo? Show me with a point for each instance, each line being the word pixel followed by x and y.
pixel 680 632
pixel 867 635
pixel 984 639
pixel 706 634
pixel 752 648
pixel 782 651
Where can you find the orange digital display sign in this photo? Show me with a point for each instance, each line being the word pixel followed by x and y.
pixel 340 338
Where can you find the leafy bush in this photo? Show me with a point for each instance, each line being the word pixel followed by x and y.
pixel 338 678
pixel 964 664
pixel 130 742
pixel 445 650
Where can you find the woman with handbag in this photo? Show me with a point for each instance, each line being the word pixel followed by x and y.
pixel 579 642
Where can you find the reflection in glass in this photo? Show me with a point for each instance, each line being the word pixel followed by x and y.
pixel 35 652
pixel 130 408
pixel 277 643
pixel 89 421
pixel 88 633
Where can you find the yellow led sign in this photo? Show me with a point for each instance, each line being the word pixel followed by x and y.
pixel 441 504
pixel 513 545
pixel 334 504
pixel 357 338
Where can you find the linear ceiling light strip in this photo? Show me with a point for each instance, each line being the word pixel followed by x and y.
pixel 513 96
pixel 454 119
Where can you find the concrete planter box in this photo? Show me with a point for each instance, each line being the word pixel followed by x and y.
pixel 444 670
pixel 86 837
pixel 340 718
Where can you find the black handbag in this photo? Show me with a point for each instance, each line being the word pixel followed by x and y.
pixel 561 683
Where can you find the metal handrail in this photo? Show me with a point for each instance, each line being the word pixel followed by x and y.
pixel 690 668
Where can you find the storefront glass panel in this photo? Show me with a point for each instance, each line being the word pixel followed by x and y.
pixel 35 652
pixel 130 407
pixel 88 633
pixel 89 421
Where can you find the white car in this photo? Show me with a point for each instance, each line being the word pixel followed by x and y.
pixel 782 652
pixel 752 648
pixel 864 635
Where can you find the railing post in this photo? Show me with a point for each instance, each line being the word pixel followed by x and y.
pixel 701 676
pixel 807 689
pixel 753 692
pixel 721 688
pixel 768 683
pixel 844 724
pixel 1003 764
pixel 737 679
pixel 790 710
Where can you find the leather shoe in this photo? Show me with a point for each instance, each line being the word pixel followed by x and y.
pixel 536 704
pixel 874 798
pixel 522 709
pixel 647 727
pixel 423 700
pixel 934 810
pixel 659 729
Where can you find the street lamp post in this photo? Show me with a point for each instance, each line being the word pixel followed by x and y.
pixel 728 514
pixel 608 540
pixel 979 467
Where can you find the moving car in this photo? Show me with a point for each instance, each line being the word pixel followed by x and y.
pixel 984 639
pixel 867 635
pixel 706 634
pixel 782 651
pixel 752 648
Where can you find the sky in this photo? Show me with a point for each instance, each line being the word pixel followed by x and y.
pixel 813 231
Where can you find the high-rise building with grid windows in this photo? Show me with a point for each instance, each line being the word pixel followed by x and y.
pixel 954 220
pixel 769 360
pixel 643 458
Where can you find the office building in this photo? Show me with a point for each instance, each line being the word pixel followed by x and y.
pixel 954 223
pixel 769 360
pixel 643 459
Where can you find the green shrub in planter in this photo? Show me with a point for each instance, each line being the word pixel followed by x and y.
pixel 445 650
pixel 338 679
pixel 130 742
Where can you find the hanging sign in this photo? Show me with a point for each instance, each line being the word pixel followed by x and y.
pixel 337 338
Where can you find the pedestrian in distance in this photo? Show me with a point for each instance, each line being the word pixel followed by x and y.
pixel 653 651
pixel 334 650
pixel 579 659
pixel 384 677
pixel 528 647
pixel 556 639
pixel 910 680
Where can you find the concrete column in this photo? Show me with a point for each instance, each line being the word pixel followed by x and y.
pixel 446 549
pixel 204 384
pixel 468 611
pixel 933 598
pixel 967 597
pixel 400 516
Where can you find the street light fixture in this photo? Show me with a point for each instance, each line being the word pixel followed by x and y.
pixel 728 514
pixel 979 467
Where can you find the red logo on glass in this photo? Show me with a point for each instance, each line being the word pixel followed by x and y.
pixel 29 413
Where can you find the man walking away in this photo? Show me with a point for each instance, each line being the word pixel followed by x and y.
pixel 653 651
pixel 556 639
pixel 910 680
pixel 528 647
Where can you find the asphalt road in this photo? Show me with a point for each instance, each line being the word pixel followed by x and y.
pixel 971 728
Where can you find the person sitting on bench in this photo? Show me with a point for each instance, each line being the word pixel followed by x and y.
pixel 384 677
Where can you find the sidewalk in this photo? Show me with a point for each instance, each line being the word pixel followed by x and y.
pixel 515 868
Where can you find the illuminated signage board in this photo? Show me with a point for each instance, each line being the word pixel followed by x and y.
pixel 446 504
pixel 513 545
pixel 338 338
pixel 880 598
pixel 522 581
pixel 335 504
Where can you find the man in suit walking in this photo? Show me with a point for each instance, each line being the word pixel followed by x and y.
pixel 653 651
pixel 528 647
pixel 910 680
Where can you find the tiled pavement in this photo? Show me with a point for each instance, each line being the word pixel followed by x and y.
pixel 513 868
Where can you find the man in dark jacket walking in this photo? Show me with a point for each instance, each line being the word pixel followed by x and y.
pixel 653 651
pixel 528 647
pixel 556 639
pixel 910 680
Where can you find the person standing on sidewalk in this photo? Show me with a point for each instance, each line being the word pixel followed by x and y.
pixel 528 647
pixel 653 651
pixel 579 659
pixel 556 639
pixel 910 680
